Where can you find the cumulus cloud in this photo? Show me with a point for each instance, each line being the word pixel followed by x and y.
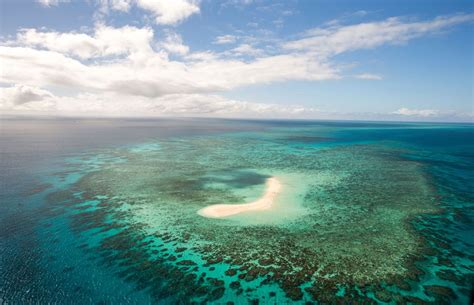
pixel 417 112
pixel 22 97
pixel 368 76
pixel 106 41
pixel 151 72
pixel 220 106
pixel 173 43
pixel 169 12
pixel 165 12
pixel 110 69
pixel 120 5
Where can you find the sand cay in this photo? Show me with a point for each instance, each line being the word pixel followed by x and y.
pixel 263 203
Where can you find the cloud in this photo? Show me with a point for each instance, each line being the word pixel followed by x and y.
pixel 236 3
pixel 106 41
pixel 120 5
pixel 368 76
pixel 170 12
pixel 124 56
pixel 174 44
pixel 220 106
pixel 49 3
pixel 17 97
pixel 111 67
pixel 337 39
pixel 246 50
pixel 22 97
pixel 165 12
pixel 224 39
pixel 417 112
pixel 360 13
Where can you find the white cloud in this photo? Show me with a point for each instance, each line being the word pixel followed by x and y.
pixel 368 76
pixel 120 5
pixel 417 112
pixel 217 105
pixel 137 69
pixel 21 97
pixel 224 39
pixel 170 11
pixel 337 39
pixel 125 70
pixel 165 12
pixel 106 41
pixel 173 43
pixel 26 98
pixel 246 49
pixel 236 3
pixel 49 3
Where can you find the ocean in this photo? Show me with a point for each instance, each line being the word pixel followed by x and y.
pixel 105 211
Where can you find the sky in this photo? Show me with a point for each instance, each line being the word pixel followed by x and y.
pixel 371 60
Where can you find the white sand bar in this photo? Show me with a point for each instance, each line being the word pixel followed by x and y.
pixel 273 187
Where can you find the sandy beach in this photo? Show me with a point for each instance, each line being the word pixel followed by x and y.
pixel 273 188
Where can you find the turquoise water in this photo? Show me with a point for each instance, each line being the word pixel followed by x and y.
pixel 105 212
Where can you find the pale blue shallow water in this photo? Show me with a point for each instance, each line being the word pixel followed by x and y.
pixel 53 243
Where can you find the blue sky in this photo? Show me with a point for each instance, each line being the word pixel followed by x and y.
pixel 395 60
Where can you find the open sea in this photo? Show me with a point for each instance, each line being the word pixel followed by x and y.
pixel 104 211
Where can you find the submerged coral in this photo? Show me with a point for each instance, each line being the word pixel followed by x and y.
pixel 342 229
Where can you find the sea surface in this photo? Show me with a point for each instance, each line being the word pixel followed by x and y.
pixel 104 211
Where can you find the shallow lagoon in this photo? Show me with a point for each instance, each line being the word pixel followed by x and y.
pixel 369 212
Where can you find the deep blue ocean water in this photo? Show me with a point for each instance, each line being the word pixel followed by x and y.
pixel 45 260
